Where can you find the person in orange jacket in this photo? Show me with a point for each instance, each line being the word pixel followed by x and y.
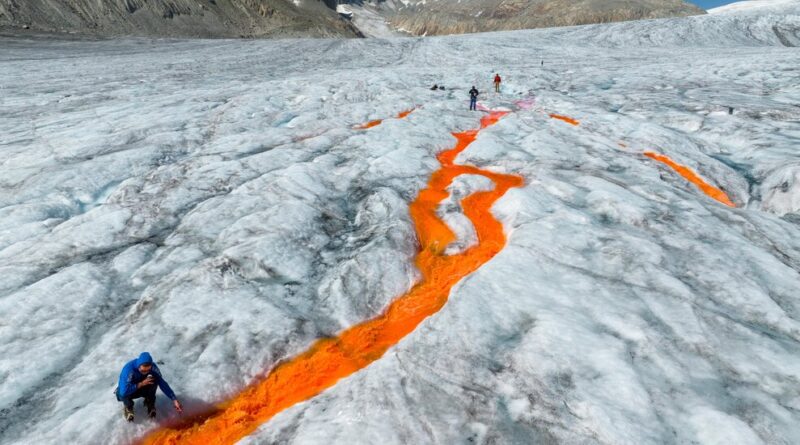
pixel 497 81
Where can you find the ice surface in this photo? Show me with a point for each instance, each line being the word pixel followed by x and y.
pixel 371 21
pixel 451 213
pixel 211 202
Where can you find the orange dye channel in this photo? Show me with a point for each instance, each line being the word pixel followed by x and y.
pixel 377 122
pixel 566 119
pixel 692 177
pixel 331 359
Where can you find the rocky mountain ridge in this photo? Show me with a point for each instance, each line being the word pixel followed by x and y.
pixel 178 18
pixel 317 18
pixel 466 16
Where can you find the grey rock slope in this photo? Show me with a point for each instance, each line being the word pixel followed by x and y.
pixel 177 18
pixel 438 17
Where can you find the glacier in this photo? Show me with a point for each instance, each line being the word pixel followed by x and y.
pixel 216 203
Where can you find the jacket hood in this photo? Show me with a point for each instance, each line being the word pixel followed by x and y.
pixel 144 359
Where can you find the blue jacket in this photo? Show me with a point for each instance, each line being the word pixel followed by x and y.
pixel 130 376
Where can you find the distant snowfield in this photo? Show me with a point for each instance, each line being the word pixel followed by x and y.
pixel 212 203
pixel 758 6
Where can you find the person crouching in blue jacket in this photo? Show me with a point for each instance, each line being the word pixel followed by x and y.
pixel 140 378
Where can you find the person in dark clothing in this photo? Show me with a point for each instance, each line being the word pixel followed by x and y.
pixel 435 87
pixel 139 379
pixel 473 98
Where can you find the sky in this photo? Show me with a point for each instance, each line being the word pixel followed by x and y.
pixel 707 4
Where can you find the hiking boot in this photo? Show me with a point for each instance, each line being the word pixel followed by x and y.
pixel 128 413
pixel 151 412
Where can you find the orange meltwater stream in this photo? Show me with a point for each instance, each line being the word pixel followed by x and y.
pixel 682 170
pixel 692 177
pixel 566 119
pixel 377 122
pixel 331 359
